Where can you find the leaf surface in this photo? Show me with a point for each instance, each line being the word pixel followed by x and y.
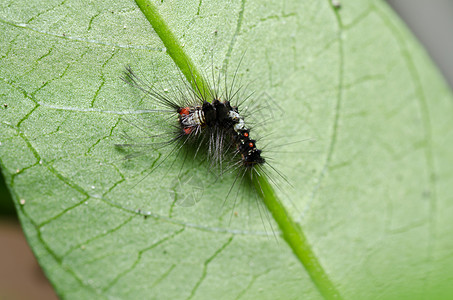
pixel 371 188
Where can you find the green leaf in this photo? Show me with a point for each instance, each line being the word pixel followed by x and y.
pixel 371 188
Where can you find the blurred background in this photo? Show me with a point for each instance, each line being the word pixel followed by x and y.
pixel 432 23
pixel 20 275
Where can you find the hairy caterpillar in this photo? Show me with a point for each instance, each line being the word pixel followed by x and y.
pixel 215 123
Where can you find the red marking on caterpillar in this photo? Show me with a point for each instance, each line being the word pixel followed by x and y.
pixel 184 111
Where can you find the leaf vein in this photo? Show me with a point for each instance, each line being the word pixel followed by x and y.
pixel 205 267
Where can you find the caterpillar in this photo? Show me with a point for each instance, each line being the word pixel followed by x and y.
pixel 217 122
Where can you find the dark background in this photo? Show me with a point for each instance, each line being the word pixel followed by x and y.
pixel 20 275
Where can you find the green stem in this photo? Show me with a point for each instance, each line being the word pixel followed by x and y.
pixel 173 47
pixel 292 233
pixel 295 237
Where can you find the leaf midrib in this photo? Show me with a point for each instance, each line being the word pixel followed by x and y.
pixel 291 231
